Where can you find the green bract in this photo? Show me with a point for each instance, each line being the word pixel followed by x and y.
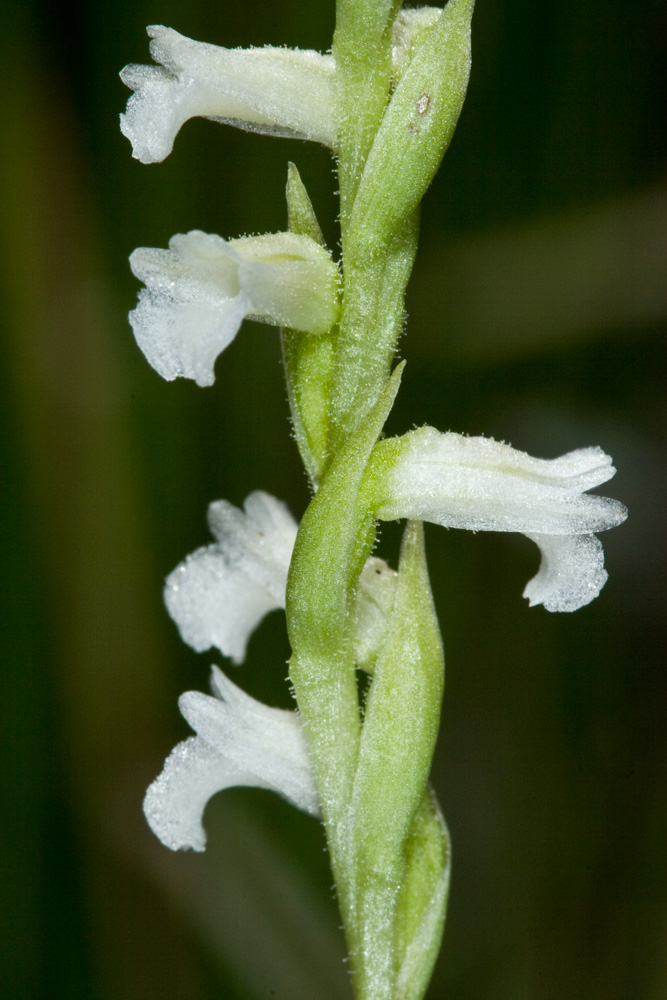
pixel 417 126
pixel 397 743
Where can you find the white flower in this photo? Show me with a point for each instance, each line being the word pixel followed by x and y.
pixel 276 91
pixel 220 593
pixel 483 485
pixel 288 92
pixel 199 291
pixel 239 741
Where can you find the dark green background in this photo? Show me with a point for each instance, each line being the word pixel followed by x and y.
pixel 537 315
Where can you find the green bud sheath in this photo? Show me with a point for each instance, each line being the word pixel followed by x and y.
pixel 397 742
pixel 417 127
pixel 422 901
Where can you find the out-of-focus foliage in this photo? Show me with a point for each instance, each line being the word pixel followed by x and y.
pixel 537 315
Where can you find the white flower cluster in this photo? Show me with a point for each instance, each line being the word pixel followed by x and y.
pixel 221 592
pixel 217 597
pixel 196 295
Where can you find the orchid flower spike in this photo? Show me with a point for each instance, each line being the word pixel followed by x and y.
pixel 239 741
pixel 199 291
pixel 483 485
pixel 221 592
pixel 286 92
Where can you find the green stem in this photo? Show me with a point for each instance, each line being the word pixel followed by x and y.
pixel 335 537
pixel 375 279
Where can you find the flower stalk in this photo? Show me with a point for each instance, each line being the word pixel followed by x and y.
pixel 386 102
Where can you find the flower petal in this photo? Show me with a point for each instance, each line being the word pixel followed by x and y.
pixel 200 289
pixel 260 90
pixel 259 541
pixel 290 280
pixel 376 593
pixel 174 804
pixel 239 742
pixel 266 742
pixel 484 485
pixel 192 306
pixel 221 592
pixel 571 572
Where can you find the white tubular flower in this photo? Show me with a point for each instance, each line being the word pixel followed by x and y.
pixel 287 92
pixel 239 741
pixel 483 485
pixel 220 593
pixel 199 291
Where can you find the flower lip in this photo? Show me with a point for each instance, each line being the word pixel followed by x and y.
pixel 571 572
pixel 221 592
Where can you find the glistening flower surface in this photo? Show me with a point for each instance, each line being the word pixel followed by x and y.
pixel 199 291
pixel 239 741
pixel 220 593
pixel 288 92
pixel 484 485
pixel 276 91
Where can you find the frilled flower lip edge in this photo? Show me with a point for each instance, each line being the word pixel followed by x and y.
pixel 198 292
pixel 480 484
pixel 239 742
